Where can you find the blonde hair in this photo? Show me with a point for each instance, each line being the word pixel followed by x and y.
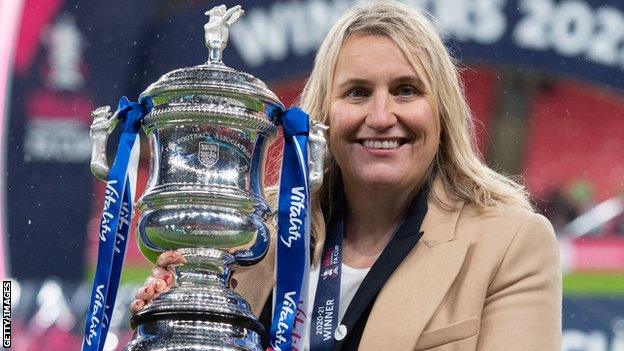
pixel 457 163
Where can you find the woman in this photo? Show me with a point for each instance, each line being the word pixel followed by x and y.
pixel 439 251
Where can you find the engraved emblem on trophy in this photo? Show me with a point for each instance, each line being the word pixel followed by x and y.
pixel 209 130
pixel 208 153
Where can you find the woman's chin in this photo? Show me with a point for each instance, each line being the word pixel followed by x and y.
pixel 381 182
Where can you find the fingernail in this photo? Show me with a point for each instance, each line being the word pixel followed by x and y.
pixel 137 304
pixel 167 279
pixel 160 285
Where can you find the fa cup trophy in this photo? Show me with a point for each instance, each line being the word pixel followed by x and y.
pixel 209 127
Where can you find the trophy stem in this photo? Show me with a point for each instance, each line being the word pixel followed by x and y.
pixel 204 266
pixel 215 56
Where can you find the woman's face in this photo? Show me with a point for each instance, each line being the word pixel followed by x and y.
pixel 383 133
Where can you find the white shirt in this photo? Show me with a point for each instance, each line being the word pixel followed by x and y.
pixel 350 281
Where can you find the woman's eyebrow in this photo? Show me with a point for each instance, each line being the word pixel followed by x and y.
pixel 411 79
pixel 352 82
pixel 405 79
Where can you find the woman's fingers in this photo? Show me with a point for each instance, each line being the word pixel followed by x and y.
pixel 136 305
pixel 146 293
pixel 162 274
pixel 160 280
pixel 169 258
pixel 159 285
pixel 152 289
pixel 164 266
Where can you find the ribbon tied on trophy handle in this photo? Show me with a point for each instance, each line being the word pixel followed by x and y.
pixel 317 151
pixel 104 122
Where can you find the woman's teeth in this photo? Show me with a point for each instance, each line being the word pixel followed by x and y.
pixel 376 144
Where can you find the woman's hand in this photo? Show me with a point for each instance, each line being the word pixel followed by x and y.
pixel 160 281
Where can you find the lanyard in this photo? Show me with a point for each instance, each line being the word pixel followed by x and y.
pixel 325 310
pixel 293 238
pixel 114 226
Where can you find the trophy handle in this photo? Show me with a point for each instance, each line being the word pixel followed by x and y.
pixel 317 146
pixel 317 149
pixel 103 124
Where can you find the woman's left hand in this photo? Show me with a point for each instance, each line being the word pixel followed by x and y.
pixel 160 281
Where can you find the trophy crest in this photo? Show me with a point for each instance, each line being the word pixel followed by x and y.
pixel 208 153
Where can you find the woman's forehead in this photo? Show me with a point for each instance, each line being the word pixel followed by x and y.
pixel 366 56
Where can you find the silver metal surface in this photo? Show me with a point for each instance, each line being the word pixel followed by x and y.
pixel 209 130
pixel 217 29
pixel 103 124
pixel 317 149
pixel 193 335
pixel 206 180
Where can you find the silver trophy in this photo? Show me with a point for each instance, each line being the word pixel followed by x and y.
pixel 208 131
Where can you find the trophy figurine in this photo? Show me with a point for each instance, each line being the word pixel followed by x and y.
pixel 208 130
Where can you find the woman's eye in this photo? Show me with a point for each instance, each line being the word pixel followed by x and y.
pixel 406 90
pixel 357 93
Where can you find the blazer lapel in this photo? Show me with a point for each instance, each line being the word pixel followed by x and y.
pixel 414 291
pixel 409 299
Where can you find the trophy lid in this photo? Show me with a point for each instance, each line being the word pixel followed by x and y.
pixel 213 77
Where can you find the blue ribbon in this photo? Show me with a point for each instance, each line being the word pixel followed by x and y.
pixel 327 299
pixel 293 239
pixel 114 227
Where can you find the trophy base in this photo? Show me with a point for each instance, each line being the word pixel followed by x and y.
pixel 187 331
pixel 200 313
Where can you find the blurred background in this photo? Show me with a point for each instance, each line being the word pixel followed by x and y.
pixel 544 79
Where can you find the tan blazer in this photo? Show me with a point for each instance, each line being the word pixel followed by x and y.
pixel 487 282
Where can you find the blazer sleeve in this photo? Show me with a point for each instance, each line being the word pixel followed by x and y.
pixel 522 308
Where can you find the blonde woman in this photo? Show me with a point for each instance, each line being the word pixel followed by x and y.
pixel 439 252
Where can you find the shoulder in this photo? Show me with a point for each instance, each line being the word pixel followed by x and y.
pixel 464 221
pixel 503 222
pixel 508 236
pixel 449 218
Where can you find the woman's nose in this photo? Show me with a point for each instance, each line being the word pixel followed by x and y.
pixel 381 116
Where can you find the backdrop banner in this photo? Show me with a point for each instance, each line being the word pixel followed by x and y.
pixel 593 323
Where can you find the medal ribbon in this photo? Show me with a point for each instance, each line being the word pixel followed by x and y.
pixel 115 225
pixel 293 237
pixel 326 310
